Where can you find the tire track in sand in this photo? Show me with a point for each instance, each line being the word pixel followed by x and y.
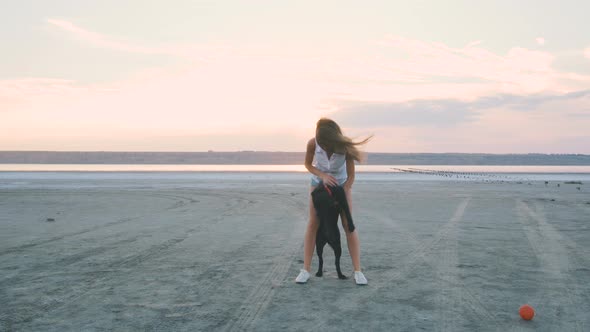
pixel 179 201
pixel 448 276
pixel 25 246
pixel 178 311
pixel 111 269
pixel 80 256
pixel 450 294
pixel 452 298
pixel 260 297
pixel 444 263
pixel 561 304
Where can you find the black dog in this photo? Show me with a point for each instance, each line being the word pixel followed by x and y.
pixel 329 202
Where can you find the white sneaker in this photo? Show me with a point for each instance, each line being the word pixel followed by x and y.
pixel 302 277
pixel 360 279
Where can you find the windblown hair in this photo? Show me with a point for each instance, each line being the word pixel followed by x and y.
pixel 329 135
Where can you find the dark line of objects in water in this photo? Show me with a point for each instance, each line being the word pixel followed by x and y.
pixel 478 176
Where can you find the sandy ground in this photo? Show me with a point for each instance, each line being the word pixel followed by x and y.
pixel 223 255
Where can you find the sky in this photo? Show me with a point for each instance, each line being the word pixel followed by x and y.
pixel 421 76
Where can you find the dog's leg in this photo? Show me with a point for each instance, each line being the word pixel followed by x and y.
pixel 320 251
pixel 338 253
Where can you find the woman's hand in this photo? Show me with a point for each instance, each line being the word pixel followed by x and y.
pixel 347 186
pixel 329 179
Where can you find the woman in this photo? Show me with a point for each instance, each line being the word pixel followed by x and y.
pixel 330 158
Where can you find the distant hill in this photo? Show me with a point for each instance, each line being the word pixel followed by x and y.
pixel 282 158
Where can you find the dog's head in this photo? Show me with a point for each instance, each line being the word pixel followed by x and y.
pixel 322 195
pixel 324 201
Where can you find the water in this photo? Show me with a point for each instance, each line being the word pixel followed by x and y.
pixel 282 168
pixel 20 176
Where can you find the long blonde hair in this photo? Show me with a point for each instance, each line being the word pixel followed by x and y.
pixel 328 134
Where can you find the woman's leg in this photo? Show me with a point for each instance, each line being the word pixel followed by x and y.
pixel 310 234
pixel 352 239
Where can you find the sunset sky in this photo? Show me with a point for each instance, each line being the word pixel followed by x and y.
pixel 422 76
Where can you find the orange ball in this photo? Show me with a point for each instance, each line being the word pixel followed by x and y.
pixel 526 312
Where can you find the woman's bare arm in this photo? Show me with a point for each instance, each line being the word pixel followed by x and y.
pixel 350 173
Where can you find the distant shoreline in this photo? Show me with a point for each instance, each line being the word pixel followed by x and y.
pixel 282 158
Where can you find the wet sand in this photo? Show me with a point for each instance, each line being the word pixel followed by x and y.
pixel 211 255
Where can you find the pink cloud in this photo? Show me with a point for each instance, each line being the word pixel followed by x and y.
pixel 520 70
pixel 425 66
pixel 548 129
pixel 231 94
pixel 474 43
pixel 425 70
pixel 100 39
pixel 109 42
pixel 258 90
pixel 264 83
pixel 587 52
pixel 20 94
pixel 540 40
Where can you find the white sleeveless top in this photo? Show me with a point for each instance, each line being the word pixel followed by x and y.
pixel 335 165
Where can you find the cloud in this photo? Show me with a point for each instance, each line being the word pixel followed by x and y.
pixel 407 67
pixel 441 112
pixel 227 95
pixel 520 70
pixel 409 85
pixel 18 92
pixel 109 42
pixel 474 43
pixel 540 40
pixel 527 103
pixel 545 124
pixel 100 40
pixel 414 113
pixel 587 52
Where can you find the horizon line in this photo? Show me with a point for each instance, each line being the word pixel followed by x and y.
pixel 267 151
